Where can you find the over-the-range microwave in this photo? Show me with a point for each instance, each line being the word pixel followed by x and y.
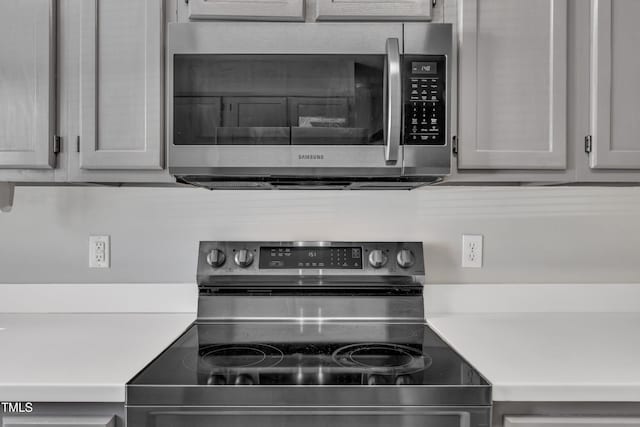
pixel 319 105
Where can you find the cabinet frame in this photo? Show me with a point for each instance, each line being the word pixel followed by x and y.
pixel 523 412
pixel 151 156
pixel 398 10
pixel 570 421
pixel 249 10
pixel 42 156
pixel 470 157
pixel 59 421
pixel 603 156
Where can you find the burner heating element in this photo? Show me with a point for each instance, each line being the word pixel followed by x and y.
pixel 382 358
pixel 241 356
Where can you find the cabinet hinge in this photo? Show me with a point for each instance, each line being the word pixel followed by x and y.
pixel 588 144
pixel 454 145
pixel 57 144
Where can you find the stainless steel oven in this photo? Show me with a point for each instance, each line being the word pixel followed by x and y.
pixel 305 417
pixel 296 334
pixel 352 105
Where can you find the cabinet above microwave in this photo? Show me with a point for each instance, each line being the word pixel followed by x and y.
pixel 311 10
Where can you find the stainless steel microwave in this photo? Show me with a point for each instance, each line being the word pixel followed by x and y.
pixel 320 105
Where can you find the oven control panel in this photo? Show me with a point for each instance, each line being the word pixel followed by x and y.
pixel 424 100
pixel 370 259
pixel 333 257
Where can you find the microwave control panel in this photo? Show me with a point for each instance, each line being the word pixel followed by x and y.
pixel 424 95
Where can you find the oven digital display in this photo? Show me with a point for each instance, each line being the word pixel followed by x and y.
pixel 311 257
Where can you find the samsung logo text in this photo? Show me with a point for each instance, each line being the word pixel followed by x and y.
pixel 310 156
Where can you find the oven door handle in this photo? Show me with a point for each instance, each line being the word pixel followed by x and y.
pixel 392 101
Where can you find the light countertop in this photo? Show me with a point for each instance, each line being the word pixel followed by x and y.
pixel 593 357
pixel 545 342
pixel 532 342
pixel 84 342
pixel 526 356
pixel 80 357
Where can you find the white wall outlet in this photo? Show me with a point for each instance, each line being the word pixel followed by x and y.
pixel 472 250
pixel 99 252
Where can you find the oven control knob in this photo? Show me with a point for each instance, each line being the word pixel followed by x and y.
pixel 375 379
pixel 216 380
pixel 406 258
pixel 403 380
pixel 244 379
pixel 377 258
pixel 243 258
pixel 216 258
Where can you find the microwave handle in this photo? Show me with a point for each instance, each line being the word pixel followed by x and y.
pixel 392 101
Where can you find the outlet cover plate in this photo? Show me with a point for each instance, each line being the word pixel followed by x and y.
pixel 472 250
pixel 99 252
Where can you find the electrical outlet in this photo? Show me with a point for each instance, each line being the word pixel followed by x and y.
pixel 99 252
pixel 472 250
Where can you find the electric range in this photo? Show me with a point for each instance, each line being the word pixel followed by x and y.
pixel 309 334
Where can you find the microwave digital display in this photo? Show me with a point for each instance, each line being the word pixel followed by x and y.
pixel 424 68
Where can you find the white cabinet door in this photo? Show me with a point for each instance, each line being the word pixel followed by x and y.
pixel 512 84
pixel 524 421
pixel 56 421
pixel 268 10
pixel 27 84
pixel 121 122
pixel 615 84
pixel 393 10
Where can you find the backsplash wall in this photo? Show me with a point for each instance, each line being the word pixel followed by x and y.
pixel 532 235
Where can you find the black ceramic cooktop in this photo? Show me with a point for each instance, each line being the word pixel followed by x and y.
pixel 289 354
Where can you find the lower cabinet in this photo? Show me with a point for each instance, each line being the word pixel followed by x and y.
pixel 59 421
pixel 61 414
pixel 566 414
pixel 524 421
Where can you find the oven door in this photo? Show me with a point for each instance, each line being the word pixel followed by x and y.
pixel 303 417
pixel 273 99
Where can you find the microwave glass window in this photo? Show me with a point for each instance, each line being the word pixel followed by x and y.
pixel 278 99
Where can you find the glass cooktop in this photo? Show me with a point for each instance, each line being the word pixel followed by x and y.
pixel 308 354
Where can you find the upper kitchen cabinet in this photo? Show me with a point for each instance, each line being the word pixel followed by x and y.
pixel 260 10
pixel 512 85
pixel 27 85
pixel 121 87
pixel 615 88
pixel 377 10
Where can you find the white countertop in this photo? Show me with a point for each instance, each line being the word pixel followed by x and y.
pixel 80 357
pixel 532 342
pixel 564 343
pixel 84 342
pixel 552 356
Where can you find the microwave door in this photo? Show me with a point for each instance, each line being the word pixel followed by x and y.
pixel 333 108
